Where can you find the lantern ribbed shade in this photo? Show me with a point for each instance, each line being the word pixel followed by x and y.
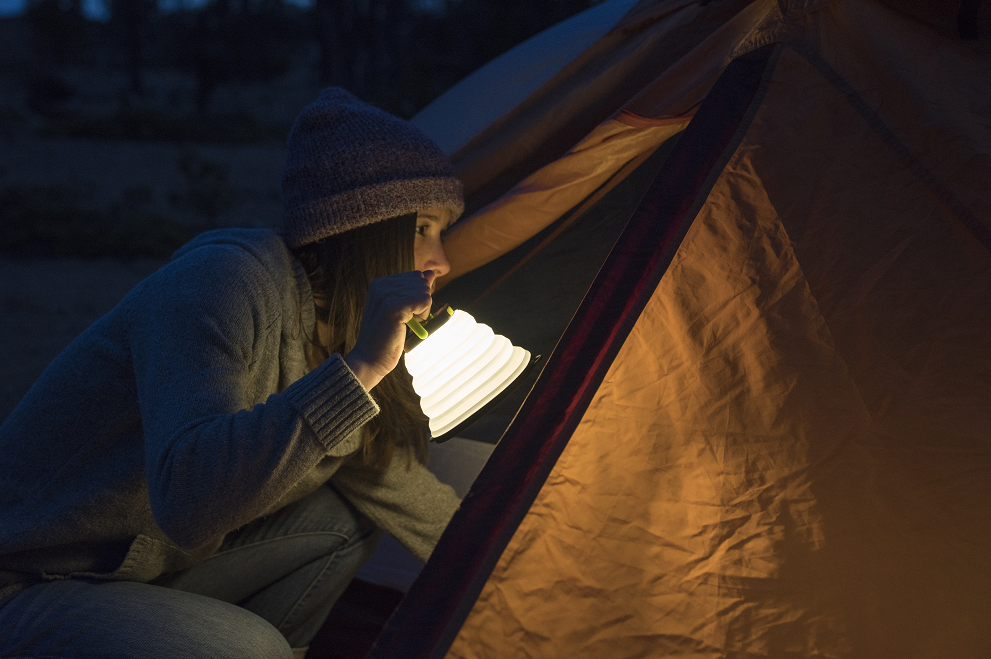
pixel 461 367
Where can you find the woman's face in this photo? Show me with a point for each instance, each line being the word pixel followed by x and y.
pixel 428 249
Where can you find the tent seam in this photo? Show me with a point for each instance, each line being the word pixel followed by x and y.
pixel 888 137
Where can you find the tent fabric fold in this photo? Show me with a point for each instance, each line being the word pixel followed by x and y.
pixel 539 200
pixel 587 91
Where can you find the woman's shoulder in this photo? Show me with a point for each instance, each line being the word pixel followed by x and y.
pixel 262 245
pixel 225 268
pixel 225 256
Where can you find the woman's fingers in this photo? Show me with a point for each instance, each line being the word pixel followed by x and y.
pixel 400 297
pixel 390 303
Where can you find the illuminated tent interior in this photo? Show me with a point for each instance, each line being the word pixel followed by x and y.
pixel 752 241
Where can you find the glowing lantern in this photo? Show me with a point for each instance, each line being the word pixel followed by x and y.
pixel 460 368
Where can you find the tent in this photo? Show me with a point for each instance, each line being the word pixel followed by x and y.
pixel 763 426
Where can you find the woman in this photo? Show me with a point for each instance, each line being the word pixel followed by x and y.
pixel 202 471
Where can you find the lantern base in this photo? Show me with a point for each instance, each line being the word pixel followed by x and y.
pixel 510 388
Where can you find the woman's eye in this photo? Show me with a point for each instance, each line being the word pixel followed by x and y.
pixel 421 230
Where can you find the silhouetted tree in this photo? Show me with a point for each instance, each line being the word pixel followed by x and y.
pixel 362 44
pixel 130 21
pixel 246 40
pixel 59 29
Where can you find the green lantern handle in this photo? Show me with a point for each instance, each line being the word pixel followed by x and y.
pixel 421 332
pixel 417 328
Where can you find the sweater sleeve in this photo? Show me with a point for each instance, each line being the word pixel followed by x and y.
pixel 218 453
pixel 405 500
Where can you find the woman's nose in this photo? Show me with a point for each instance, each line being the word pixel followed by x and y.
pixel 435 264
pixel 441 264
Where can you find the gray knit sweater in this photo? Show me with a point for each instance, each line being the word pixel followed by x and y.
pixel 185 413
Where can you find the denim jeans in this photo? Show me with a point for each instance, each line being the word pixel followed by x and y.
pixel 267 589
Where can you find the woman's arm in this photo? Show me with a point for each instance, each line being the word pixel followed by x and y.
pixel 221 446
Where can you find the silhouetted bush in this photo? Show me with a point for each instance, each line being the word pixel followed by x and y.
pixel 47 92
pixel 10 117
pixel 208 193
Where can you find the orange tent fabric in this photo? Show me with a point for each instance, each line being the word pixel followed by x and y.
pixel 785 458
pixel 766 431
pixel 539 200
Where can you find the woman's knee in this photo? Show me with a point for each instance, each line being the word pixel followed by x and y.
pixel 197 626
pixel 257 639
pixel 137 621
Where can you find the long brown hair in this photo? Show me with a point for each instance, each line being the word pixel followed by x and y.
pixel 340 269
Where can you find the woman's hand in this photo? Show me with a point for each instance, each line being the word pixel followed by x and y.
pixel 391 301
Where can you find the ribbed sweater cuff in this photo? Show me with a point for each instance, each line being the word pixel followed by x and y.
pixel 332 401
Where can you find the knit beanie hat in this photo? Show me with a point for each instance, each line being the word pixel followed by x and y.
pixel 349 164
